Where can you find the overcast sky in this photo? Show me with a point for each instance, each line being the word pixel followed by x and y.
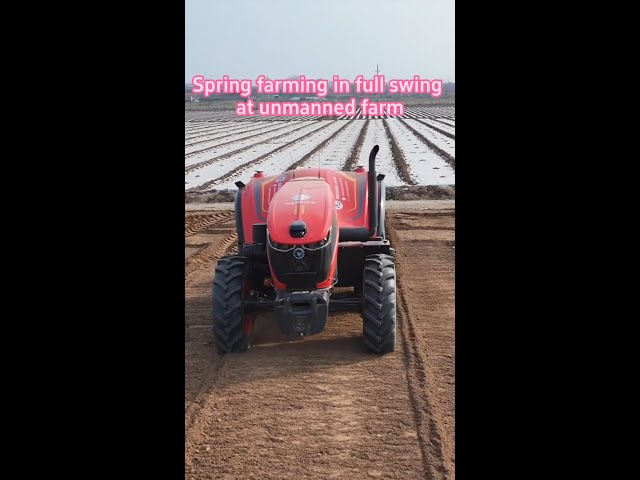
pixel 280 38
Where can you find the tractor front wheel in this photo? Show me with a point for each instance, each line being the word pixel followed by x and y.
pixel 379 303
pixel 232 325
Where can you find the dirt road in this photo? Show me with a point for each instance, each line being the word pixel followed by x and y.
pixel 321 407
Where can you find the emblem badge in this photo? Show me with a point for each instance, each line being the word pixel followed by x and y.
pixel 298 253
pixel 301 197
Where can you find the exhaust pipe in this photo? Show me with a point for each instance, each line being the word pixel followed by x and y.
pixel 364 234
pixel 373 192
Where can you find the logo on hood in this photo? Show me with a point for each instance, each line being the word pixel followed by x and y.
pixel 298 253
pixel 300 197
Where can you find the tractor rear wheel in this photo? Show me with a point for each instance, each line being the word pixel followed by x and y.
pixel 379 303
pixel 232 325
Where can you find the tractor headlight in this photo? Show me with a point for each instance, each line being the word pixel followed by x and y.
pixel 280 246
pixel 283 247
pixel 317 245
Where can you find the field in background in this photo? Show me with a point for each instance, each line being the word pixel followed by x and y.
pixel 414 101
pixel 417 150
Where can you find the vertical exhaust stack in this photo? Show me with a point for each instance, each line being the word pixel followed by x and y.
pixel 373 193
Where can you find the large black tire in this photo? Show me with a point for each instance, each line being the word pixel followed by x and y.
pixel 379 303
pixel 232 325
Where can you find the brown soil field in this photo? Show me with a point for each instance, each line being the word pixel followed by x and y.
pixel 321 407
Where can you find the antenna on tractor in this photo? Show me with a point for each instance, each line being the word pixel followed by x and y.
pixel 378 73
pixel 294 170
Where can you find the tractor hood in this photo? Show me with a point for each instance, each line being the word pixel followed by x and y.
pixel 301 212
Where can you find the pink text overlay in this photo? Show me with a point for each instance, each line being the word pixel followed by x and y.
pixel 319 88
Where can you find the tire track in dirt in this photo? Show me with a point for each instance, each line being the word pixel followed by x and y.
pixel 198 345
pixel 202 361
pixel 426 378
pixel 207 255
pixel 244 166
pixel 319 407
pixel 398 157
pixel 319 147
pixel 199 216
pixel 351 162
pixel 203 221
pixel 204 163
pixel 428 432
pixel 444 155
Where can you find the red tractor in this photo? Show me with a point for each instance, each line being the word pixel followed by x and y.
pixel 301 236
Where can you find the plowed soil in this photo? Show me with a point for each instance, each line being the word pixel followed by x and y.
pixel 321 407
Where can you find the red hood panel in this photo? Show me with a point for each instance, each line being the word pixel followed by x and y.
pixel 349 191
pixel 308 200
